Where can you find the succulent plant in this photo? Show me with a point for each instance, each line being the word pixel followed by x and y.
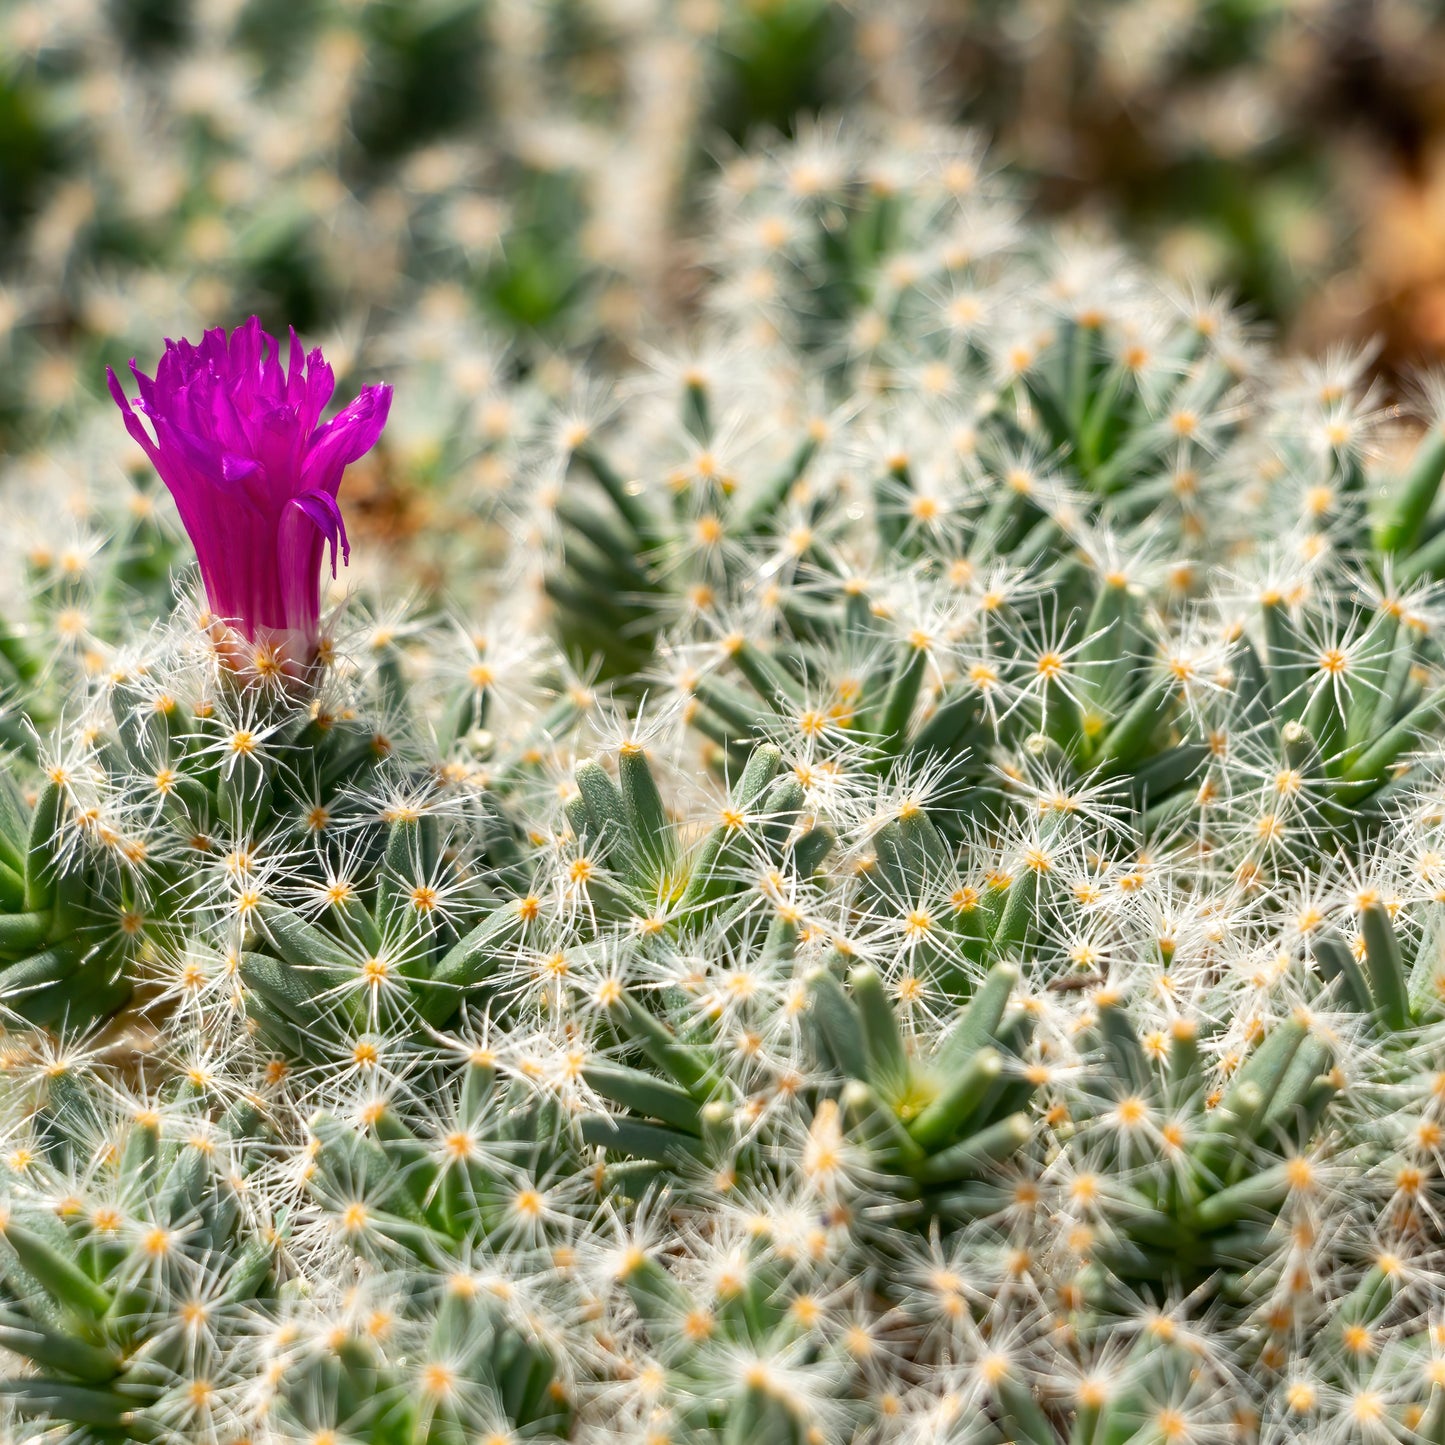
pixel 734 1119
pixel 136 1251
pixel 971 972
pixel 199 800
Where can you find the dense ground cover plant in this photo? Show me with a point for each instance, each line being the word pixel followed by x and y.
pixel 946 946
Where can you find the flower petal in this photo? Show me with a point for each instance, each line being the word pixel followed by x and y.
pixel 138 433
pixel 348 435
pixel 322 509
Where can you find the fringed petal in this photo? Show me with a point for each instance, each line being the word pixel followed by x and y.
pixel 325 514
pixel 349 435
pixel 138 433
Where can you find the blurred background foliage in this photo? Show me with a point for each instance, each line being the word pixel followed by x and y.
pixel 505 187
pixel 309 157
pixel 1288 151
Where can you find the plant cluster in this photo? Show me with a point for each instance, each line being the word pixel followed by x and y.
pixel 945 945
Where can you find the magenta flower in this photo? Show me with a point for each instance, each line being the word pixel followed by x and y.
pixel 254 471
